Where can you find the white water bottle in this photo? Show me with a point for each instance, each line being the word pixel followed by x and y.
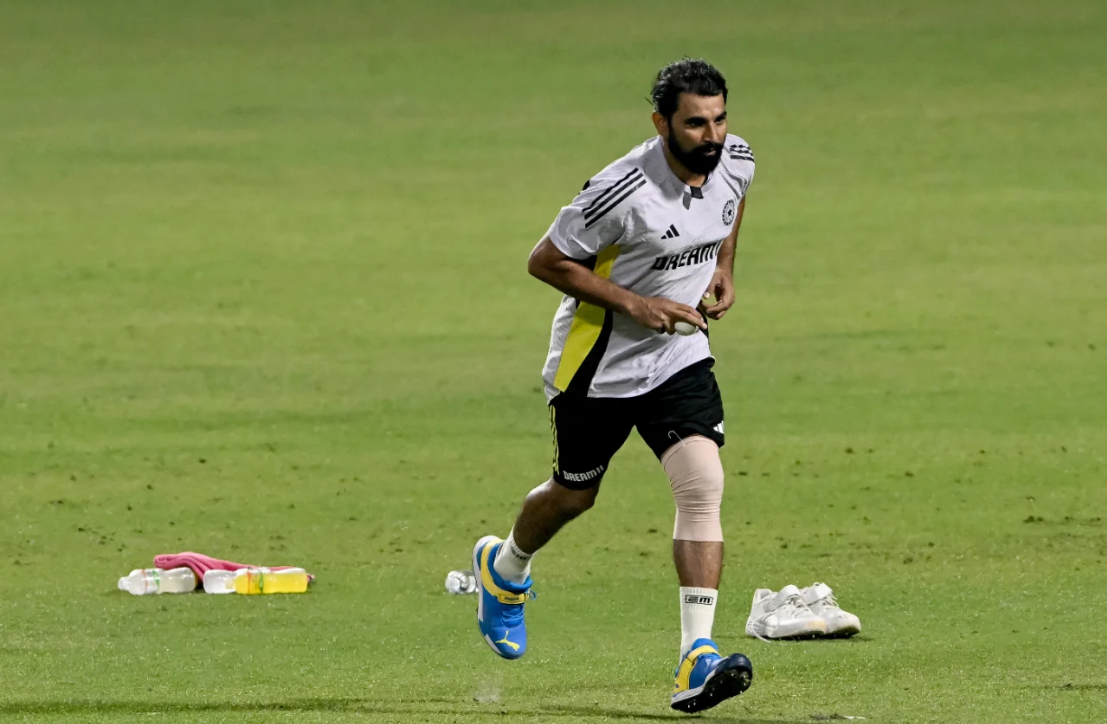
pixel 144 581
pixel 461 582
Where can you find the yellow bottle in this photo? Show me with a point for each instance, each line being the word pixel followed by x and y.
pixel 266 580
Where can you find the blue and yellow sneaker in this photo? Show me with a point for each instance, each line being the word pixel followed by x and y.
pixel 704 678
pixel 499 603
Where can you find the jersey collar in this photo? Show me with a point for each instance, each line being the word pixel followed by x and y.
pixel 673 183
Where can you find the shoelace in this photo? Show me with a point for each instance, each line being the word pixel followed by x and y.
pixel 793 607
pixel 828 601
pixel 514 612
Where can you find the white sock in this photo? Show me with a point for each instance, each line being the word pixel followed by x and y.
pixel 512 563
pixel 697 615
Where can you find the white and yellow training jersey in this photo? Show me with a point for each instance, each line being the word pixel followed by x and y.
pixel 640 226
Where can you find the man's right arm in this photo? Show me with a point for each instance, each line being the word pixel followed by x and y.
pixel 551 265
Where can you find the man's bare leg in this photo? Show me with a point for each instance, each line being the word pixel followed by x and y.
pixel 699 564
pixel 545 511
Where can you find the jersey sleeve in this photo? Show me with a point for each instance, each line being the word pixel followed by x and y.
pixel 596 218
pixel 738 165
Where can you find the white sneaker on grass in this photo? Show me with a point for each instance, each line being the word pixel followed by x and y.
pixel 782 615
pixel 819 597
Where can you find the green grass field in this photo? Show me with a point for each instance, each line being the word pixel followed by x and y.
pixel 263 295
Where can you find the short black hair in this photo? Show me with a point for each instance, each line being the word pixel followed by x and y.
pixel 687 75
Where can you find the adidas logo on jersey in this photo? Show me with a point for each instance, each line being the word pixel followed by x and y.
pixel 672 233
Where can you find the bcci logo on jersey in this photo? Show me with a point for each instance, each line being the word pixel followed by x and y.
pixel 728 212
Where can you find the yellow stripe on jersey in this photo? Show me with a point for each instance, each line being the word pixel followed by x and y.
pixel 586 327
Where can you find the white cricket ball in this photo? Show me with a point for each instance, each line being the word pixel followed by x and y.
pixel 685 328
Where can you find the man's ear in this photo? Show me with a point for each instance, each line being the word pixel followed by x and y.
pixel 661 124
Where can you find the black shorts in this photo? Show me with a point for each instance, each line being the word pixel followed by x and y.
pixel 588 431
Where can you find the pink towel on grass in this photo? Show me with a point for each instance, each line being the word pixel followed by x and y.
pixel 201 564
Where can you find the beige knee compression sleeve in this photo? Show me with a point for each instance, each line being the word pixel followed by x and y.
pixel 696 475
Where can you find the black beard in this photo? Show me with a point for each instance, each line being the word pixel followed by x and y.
pixel 697 161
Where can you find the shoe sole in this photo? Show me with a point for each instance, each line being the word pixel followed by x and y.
pixel 730 678
pixel 804 635
pixel 842 633
pixel 810 636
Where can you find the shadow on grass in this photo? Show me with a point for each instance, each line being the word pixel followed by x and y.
pixel 823 641
pixel 598 711
pixel 442 707
pixel 1087 686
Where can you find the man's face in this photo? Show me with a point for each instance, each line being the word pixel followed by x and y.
pixel 696 132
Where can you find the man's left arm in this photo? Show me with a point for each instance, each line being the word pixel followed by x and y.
pixel 722 282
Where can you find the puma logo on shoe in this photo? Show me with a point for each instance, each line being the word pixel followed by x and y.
pixel 514 646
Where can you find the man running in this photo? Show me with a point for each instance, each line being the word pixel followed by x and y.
pixel 637 253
